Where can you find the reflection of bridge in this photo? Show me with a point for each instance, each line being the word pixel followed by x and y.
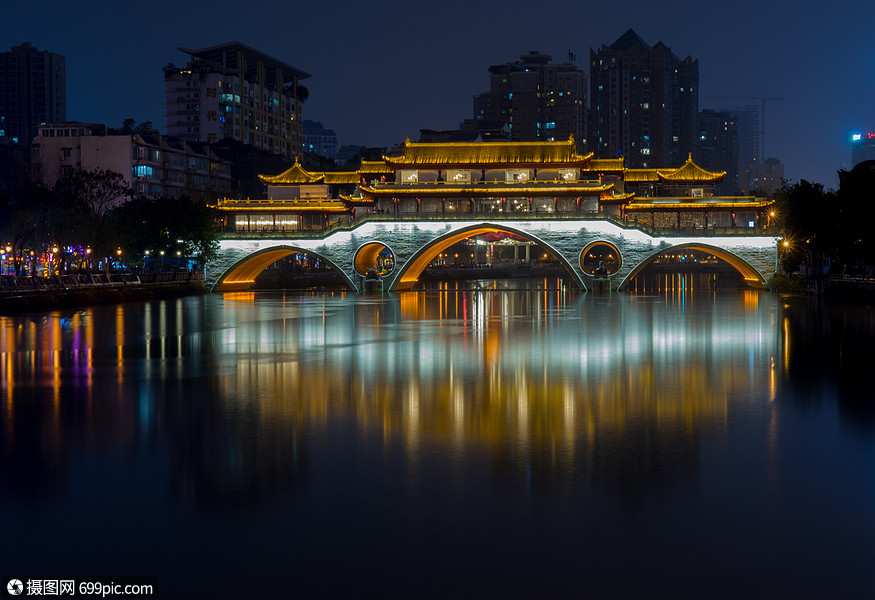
pixel 353 248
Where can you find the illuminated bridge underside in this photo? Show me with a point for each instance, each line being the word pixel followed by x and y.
pixel 415 244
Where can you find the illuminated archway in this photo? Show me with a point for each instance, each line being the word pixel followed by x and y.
pixel 374 255
pixel 751 276
pixel 241 275
pixel 409 275
pixel 600 253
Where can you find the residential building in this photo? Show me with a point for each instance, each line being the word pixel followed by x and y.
pixel 717 147
pixel 33 91
pixel 153 165
pixel 233 91
pixel 749 132
pixel 538 99
pixel 643 103
pixel 762 176
pixel 319 140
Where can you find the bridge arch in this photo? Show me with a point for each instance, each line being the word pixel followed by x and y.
pixel 599 251
pixel 241 275
pixel 409 274
pixel 751 276
pixel 366 257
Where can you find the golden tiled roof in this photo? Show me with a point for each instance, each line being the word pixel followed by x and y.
pixel 488 153
pixel 638 175
pixel 691 172
pixel 341 177
pixel 722 203
pixel 369 167
pixel 357 200
pixel 484 189
pixel 617 198
pixel 605 164
pixel 323 205
pixel 296 175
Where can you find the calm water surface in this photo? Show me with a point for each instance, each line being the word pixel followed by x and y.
pixel 484 443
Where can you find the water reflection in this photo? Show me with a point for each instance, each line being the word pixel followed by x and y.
pixel 552 385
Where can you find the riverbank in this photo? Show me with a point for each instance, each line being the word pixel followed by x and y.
pixel 842 287
pixel 26 294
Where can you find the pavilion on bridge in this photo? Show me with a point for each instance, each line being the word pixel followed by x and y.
pixel 496 180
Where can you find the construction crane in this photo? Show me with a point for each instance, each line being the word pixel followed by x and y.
pixel 762 132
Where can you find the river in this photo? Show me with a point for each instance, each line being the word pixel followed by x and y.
pixel 490 439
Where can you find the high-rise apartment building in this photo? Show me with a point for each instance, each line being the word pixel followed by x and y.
pixel 538 99
pixel 717 147
pixel 233 91
pixel 749 142
pixel 643 103
pixel 33 91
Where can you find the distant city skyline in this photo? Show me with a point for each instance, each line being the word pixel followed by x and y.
pixel 382 72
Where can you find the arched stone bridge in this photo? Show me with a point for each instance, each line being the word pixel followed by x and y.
pixel 415 244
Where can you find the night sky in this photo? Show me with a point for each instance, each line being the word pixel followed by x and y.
pixel 384 70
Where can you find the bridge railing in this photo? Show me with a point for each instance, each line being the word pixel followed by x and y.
pixel 23 283
pixel 309 234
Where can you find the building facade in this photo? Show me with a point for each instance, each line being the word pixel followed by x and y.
pixel 643 103
pixel 319 140
pixel 233 91
pixel 717 147
pixel 152 165
pixel 762 176
pixel 33 91
pixel 538 99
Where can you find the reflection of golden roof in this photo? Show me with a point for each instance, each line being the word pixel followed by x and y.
pixel 489 153
pixel 692 172
pixel 320 205
pixel 296 174
pixel 488 188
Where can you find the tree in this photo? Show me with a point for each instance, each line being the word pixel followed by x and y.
pixel 855 195
pixel 811 221
pixel 172 225
pixel 93 194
